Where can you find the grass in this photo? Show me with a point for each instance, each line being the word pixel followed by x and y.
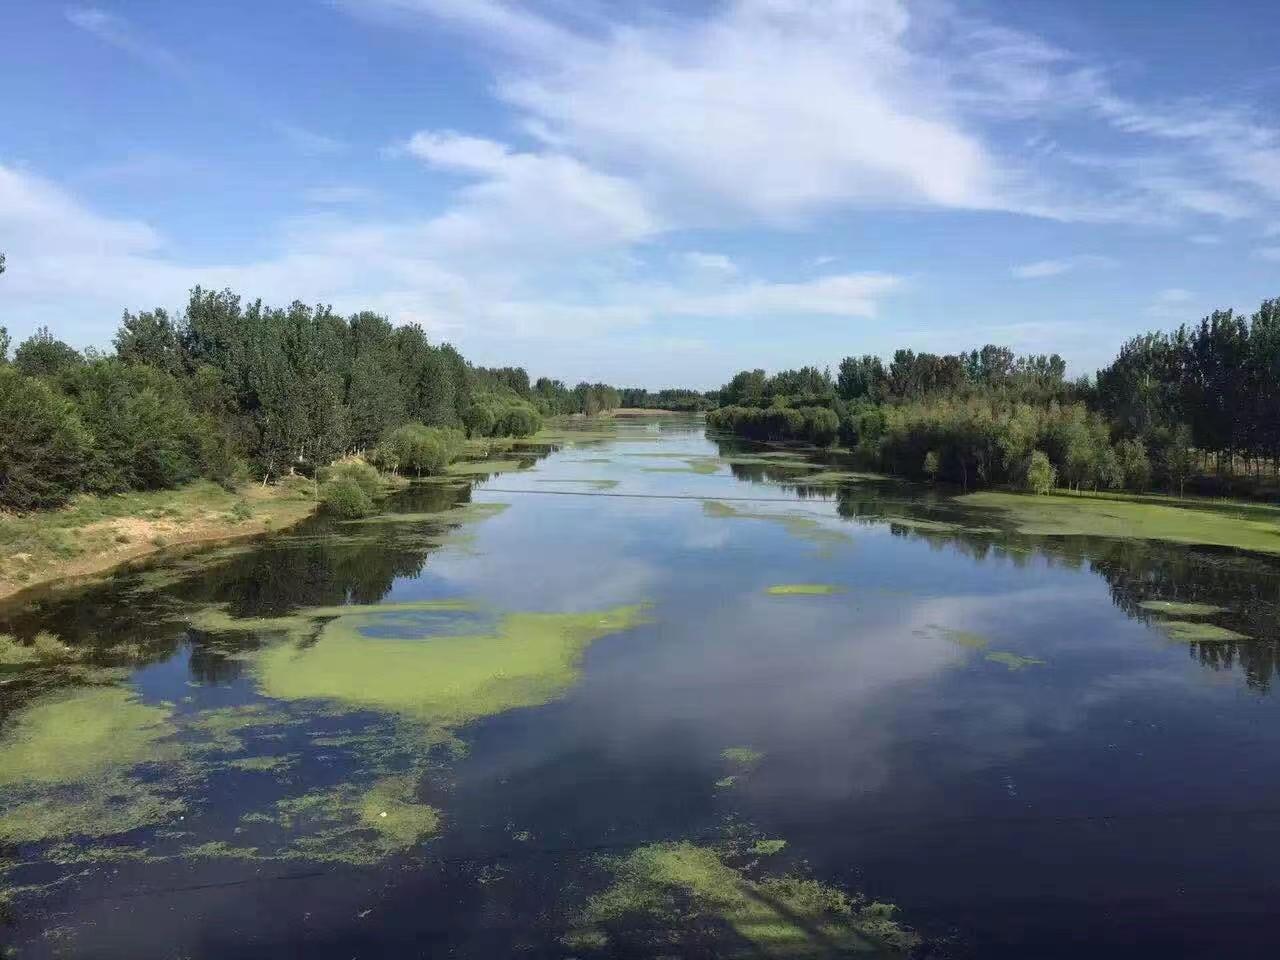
pixel 1188 521
pixel 96 533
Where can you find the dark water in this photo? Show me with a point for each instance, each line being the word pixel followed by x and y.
pixel 1119 798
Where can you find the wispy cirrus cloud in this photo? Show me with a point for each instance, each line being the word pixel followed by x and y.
pixel 1040 269
pixel 121 34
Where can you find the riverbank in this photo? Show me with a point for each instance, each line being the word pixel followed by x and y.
pixel 97 533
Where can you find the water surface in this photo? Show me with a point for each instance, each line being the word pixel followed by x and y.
pixel 653 693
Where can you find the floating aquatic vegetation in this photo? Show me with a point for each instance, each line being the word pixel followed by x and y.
pixel 837 477
pixel 604 484
pixel 724 783
pixel 1180 609
pixel 78 734
pixel 800 525
pixel 442 680
pixel 1180 521
pixel 678 895
pixel 66 764
pixel 265 763
pixel 350 824
pixel 961 638
pixel 765 848
pixel 472 468
pixel 744 758
pixel 1191 632
pixel 701 465
pixel 1013 661
pixel 803 589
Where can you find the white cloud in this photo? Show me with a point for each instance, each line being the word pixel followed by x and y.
pixel 308 141
pixel 1052 268
pixel 1205 239
pixel 1268 253
pixel 776 110
pixel 843 295
pixel 119 33
pixel 68 263
pixel 339 194
pixel 541 202
pixel 710 264
pixel 1172 303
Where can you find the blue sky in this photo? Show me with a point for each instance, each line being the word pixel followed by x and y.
pixel 649 193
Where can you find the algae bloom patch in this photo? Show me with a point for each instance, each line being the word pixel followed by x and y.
pixel 803 590
pixel 66 763
pixel 679 895
pixel 442 680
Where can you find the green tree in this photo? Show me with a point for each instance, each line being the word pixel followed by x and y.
pixel 149 337
pixel 42 444
pixel 1040 475
pixel 41 355
pixel 931 464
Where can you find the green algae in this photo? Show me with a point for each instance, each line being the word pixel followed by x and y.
pixel 79 734
pixel 459 513
pixel 473 468
pixel 222 729
pixel 100 808
pixel 803 589
pixel 1189 522
pixel 1192 632
pixel 604 484
pixel 766 848
pixel 65 762
pixel 1013 661
pixel 265 763
pixel 349 824
pixel 961 638
pixel 305 623
pixel 441 681
pixel 799 525
pixel 391 808
pixel 724 783
pixel 1180 609
pixel 744 758
pixel 684 895
pixel 832 478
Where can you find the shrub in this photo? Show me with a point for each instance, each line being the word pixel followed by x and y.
pixel 479 420
pixel 424 451
pixel 521 421
pixel 345 498
pixel 361 474
pixel 48 647
pixel 1040 473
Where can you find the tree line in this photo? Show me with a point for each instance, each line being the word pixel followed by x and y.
pixel 229 389
pixel 1199 405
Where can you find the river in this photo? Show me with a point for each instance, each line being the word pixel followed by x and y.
pixel 644 692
